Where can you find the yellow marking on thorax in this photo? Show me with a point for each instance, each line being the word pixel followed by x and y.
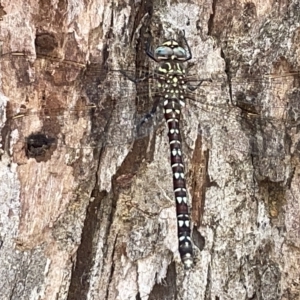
pixel 162 70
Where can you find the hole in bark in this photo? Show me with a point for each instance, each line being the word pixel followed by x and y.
pixel 45 43
pixel 39 146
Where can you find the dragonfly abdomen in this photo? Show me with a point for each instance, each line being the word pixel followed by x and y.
pixel 171 77
pixel 172 116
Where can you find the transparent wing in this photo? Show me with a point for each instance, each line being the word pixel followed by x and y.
pixel 94 106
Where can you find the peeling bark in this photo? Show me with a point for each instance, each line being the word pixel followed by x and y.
pixel 89 213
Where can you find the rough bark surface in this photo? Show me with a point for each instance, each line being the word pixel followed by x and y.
pixel 92 215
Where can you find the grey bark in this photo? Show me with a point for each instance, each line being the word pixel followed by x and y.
pixel 93 217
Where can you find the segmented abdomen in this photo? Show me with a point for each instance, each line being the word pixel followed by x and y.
pixel 172 116
pixel 173 86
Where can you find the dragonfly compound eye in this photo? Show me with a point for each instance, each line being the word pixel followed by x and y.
pixel 163 52
pixel 179 52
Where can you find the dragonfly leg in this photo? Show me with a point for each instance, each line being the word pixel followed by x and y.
pixel 148 51
pixel 150 115
pixel 188 47
pixel 191 97
pixel 136 80
pixel 193 88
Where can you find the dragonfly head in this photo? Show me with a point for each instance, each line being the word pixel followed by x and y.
pixel 170 50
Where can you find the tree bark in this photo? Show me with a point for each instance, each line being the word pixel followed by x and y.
pixel 87 208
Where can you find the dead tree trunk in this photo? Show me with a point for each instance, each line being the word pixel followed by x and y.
pixel 87 209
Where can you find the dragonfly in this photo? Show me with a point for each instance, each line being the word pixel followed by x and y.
pixel 95 115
